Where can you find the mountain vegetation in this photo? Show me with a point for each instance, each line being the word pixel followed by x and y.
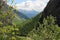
pixel 44 26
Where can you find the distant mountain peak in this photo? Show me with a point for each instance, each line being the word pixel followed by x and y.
pixel 29 13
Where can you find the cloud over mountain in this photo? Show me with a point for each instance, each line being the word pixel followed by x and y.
pixel 37 5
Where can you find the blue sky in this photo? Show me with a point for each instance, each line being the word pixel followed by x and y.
pixel 37 5
pixel 17 1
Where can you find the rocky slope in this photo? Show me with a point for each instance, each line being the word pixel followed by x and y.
pixel 52 8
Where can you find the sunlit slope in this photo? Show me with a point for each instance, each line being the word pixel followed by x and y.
pixel 18 20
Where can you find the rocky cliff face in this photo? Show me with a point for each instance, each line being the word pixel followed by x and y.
pixel 52 8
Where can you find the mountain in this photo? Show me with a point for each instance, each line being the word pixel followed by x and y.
pixel 19 17
pixel 18 20
pixel 40 27
pixel 52 8
pixel 23 15
pixel 29 25
pixel 29 13
pixel 20 14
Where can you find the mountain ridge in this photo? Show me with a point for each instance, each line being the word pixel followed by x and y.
pixel 29 13
pixel 52 8
pixel 20 14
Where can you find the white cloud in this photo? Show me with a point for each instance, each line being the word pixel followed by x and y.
pixel 37 5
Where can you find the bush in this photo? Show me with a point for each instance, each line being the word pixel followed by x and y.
pixel 46 31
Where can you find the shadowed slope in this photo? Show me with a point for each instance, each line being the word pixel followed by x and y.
pixel 52 8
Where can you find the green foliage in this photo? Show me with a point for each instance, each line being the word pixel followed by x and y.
pixel 46 31
pixel 31 29
pixel 6 14
pixel 28 25
pixel 18 21
pixel 8 32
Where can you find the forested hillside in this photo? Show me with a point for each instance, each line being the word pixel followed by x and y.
pixel 44 26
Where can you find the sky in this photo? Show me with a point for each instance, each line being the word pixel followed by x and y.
pixel 37 5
